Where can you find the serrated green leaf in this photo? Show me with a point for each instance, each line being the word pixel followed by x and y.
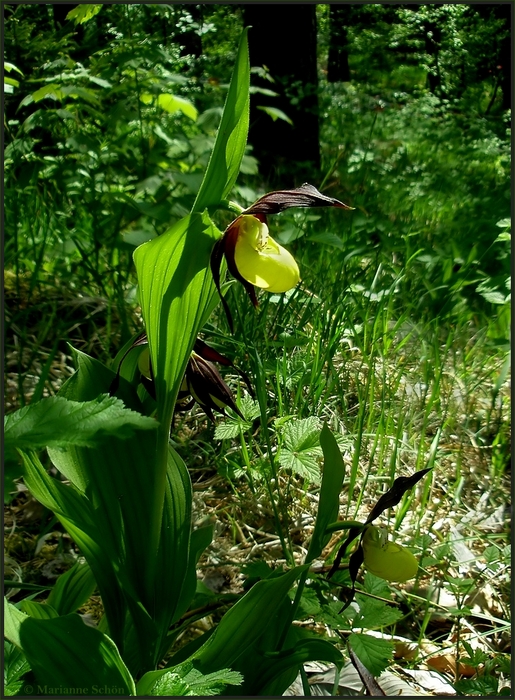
pixel 374 614
pixel 231 138
pixel 302 434
pixel 194 683
pixel 331 616
pixel 301 448
pixel 305 464
pixel 376 586
pixel 309 603
pixel 59 422
pixel 15 666
pixel 374 653
pixel 229 429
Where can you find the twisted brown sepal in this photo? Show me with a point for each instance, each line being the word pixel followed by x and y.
pixel 397 491
pixel 209 353
pixel 207 387
pixel 304 196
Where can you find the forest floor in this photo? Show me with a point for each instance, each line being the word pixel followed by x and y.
pixel 466 518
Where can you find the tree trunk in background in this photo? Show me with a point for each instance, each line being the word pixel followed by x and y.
pixel 191 40
pixel 433 39
pixel 283 38
pixel 501 11
pixel 338 58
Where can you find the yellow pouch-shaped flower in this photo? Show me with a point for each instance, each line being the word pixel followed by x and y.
pixel 260 260
pixel 385 559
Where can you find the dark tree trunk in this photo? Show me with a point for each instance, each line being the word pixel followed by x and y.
pixel 283 39
pixel 338 57
pixel 501 11
pixel 191 40
pixel 433 38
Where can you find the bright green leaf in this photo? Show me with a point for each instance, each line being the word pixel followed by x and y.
pixel 15 666
pixel 374 614
pixel 64 654
pixel 72 589
pixel 374 653
pixel 52 90
pixel 231 139
pixel 245 622
pixel 275 114
pixel 83 13
pixel 39 611
pixel 58 422
pixel 332 482
pixel 175 283
pixel 173 103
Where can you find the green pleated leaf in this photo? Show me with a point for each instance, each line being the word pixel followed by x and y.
pixel 74 512
pixel 231 139
pixel 72 589
pixel 244 623
pixel 39 611
pixel 329 502
pixel 304 650
pixel 173 558
pixel 176 288
pixel 58 422
pixel 66 655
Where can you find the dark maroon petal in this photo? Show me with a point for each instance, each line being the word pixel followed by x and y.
pixel 304 196
pixel 206 384
pixel 209 353
pixel 231 236
pixel 217 255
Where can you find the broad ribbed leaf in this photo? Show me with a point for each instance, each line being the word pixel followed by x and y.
pixel 58 422
pixel 39 611
pixel 231 139
pixel 244 623
pixel 329 501
pixel 74 512
pixel 72 589
pixel 64 653
pixel 304 650
pixel 175 287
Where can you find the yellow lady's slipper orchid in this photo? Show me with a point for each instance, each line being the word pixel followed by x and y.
pixel 252 255
pixel 386 559
pixel 260 260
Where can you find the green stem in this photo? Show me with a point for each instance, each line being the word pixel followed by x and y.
pixel 158 497
pixel 294 606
